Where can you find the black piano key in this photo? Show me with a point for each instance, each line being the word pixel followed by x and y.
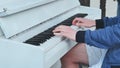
pixel 42 37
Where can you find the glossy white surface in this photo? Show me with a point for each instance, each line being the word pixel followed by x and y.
pixel 14 24
pixel 8 7
pixel 18 55
pixel 24 25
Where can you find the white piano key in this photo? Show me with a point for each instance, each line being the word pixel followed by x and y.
pixel 51 43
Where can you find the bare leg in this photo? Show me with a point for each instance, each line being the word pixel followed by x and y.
pixel 77 55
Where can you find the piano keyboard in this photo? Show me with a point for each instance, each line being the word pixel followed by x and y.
pixel 42 37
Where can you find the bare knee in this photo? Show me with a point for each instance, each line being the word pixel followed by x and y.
pixel 76 55
pixel 66 59
pixel 68 62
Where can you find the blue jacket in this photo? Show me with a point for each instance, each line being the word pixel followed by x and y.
pixel 106 37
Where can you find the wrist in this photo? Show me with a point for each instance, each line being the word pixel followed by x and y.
pixel 94 23
pixel 80 36
pixel 99 23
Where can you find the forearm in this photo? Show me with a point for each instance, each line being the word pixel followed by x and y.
pixel 111 21
pixel 105 22
pixel 102 38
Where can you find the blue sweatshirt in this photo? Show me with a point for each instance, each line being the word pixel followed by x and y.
pixel 106 37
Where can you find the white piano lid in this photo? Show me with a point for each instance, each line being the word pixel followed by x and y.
pixel 16 23
pixel 8 7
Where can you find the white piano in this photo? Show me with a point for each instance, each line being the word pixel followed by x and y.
pixel 22 20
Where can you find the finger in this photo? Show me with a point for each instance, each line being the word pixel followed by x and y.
pixel 57 30
pixel 62 27
pixel 57 34
pixel 79 24
pixel 76 20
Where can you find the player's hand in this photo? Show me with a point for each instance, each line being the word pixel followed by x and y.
pixel 65 31
pixel 83 22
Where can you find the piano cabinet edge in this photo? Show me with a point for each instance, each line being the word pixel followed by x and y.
pixel 58 51
pixel 13 43
pixel 25 51
pixel 95 13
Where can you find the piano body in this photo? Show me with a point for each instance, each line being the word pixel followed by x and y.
pixel 21 23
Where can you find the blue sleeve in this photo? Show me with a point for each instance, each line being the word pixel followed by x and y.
pixel 111 21
pixel 104 38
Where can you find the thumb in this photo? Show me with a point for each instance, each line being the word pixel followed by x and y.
pixel 57 34
pixel 79 24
